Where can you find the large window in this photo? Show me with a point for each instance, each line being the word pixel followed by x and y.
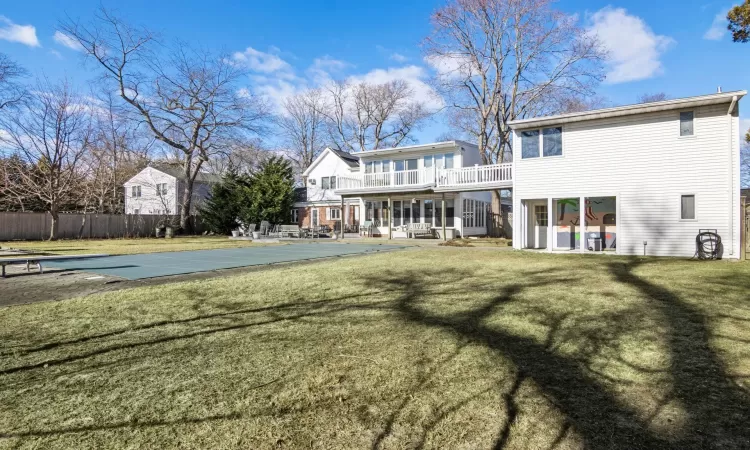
pixel 687 207
pixel 450 212
pixel 552 141
pixel 530 144
pixel 548 140
pixel 295 215
pixel 686 123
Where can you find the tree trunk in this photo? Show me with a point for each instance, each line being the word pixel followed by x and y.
pixel 187 198
pixel 54 224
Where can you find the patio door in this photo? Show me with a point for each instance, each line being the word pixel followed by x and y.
pixel 314 218
pixel 538 222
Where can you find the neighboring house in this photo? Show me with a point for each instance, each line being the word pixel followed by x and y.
pixel 650 176
pixel 159 189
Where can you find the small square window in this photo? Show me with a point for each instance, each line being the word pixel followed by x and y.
pixel 687 207
pixel 686 123
pixel 530 144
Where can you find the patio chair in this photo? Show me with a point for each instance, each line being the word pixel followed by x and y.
pixel 275 231
pixel 366 228
pixel 265 227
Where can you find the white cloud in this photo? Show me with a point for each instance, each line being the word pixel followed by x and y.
pixel 269 63
pixel 718 27
pixel 415 76
pixel 67 41
pixel 323 68
pixel 635 51
pixel 398 57
pixel 24 34
pixel 450 65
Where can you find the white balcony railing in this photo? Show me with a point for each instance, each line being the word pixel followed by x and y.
pixel 492 174
pixel 476 176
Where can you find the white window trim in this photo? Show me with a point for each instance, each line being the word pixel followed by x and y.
pixel 519 143
pixel 695 207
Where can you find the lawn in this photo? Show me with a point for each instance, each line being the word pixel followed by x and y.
pixel 427 348
pixel 127 246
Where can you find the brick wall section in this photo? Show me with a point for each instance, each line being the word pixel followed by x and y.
pixel 305 216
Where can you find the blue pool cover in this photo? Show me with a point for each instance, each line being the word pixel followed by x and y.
pixel 150 265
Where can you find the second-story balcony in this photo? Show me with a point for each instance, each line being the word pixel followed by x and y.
pixel 473 178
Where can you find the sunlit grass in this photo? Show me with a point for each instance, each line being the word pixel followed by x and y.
pixel 440 348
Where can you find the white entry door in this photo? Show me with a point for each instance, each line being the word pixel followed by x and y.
pixel 314 220
pixel 538 222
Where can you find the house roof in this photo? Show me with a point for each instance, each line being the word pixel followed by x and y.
pixel 666 105
pixel 414 148
pixel 176 171
pixel 349 159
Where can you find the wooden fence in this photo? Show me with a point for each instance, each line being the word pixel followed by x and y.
pixel 36 226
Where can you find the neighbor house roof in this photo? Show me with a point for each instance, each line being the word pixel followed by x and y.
pixel 665 105
pixel 176 171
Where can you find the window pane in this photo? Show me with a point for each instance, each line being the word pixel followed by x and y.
pixel 552 138
pixel 449 160
pixel 333 182
pixel 530 144
pixel 688 207
pixel 325 183
pixel 368 167
pixel 397 213
pixel 411 164
pixel 438 213
pixel 427 211
pixel 428 161
pixel 686 123
pixel 386 165
pixel 449 213
pixel 415 212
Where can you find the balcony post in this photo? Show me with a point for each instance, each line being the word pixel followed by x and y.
pixel 390 214
pixel 442 213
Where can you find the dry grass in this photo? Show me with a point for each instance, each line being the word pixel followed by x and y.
pixel 127 246
pixel 478 242
pixel 441 348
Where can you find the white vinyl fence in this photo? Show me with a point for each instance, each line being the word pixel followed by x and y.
pixel 34 226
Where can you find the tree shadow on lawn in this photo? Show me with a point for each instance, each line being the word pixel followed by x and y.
pixel 716 411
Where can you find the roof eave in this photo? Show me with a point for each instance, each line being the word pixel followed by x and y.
pixel 690 102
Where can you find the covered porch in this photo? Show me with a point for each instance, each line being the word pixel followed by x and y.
pixel 560 224
pixel 424 215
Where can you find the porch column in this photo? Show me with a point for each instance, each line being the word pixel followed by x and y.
pixel 582 212
pixel 442 213
pixel 390 214
pixel 550 226
pixel 343 216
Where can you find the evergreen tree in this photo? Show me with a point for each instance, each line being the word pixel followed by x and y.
pixel 739 22
pixel 270 194
pixel 221 210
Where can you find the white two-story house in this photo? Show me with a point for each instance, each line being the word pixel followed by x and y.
pixel 637 179
pixel 159 189
pixel 632 180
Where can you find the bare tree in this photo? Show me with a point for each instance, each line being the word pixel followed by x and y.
pixel 501 60
pixel 48 137
pixel 303 127
pixel 189 100
pixel 369 116
pixel 650 98
pixel 119 150
pixel 745 160
pixel 11 92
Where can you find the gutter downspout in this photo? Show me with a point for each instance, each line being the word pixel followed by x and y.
pixel 731 166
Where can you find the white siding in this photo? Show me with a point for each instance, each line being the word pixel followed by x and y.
pixel 642 160
pixel 328 165
pixel 150 202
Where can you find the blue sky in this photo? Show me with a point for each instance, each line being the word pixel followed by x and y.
pixel 678 48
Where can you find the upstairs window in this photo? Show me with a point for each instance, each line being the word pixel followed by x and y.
pixel 333 182
pixel 552 141
pixel 161 189
pixel 530 144
pixel 325 183
pixel 135 191
pixel 686 123
pixel 544 142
